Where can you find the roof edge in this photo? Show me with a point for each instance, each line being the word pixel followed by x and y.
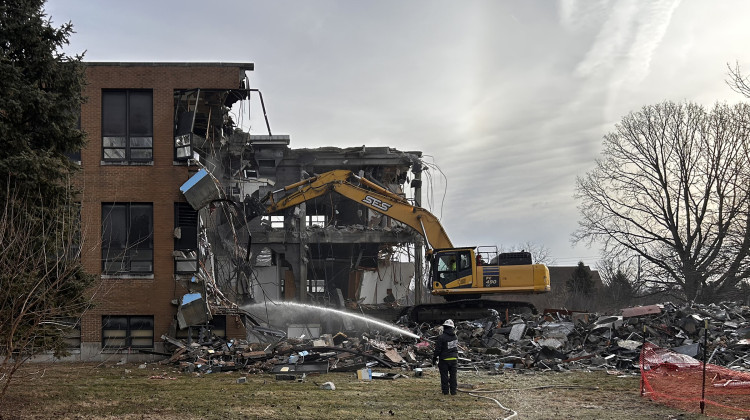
pixel 244 66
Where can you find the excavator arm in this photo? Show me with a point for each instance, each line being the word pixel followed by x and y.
pixel 463 282
pixel 374 197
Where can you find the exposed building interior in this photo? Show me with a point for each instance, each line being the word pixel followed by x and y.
pixel 328 251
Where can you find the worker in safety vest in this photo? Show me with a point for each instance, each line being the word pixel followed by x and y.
pixel 446 351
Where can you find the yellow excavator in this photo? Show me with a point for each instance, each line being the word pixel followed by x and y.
pixel 455 273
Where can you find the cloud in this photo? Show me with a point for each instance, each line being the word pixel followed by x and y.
pixel 510 98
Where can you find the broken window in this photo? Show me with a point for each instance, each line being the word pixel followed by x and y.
pixel 183 136
pixel 185 239
pixel 316 286
pixel 127 331
pixel 318 220
pixel 276 222
pixel 201 117
pixel 127 125
pixel 217 326
pixel 127 238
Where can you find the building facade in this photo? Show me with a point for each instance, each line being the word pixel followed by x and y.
pixel 165 178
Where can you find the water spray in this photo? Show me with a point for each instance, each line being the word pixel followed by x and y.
pixel 363 318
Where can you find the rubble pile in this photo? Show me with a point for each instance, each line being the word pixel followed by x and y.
pixel 562 339
pixel 556 339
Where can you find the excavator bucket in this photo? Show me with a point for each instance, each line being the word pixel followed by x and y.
pixel 253 208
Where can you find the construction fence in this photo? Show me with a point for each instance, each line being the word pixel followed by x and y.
pixel 688 384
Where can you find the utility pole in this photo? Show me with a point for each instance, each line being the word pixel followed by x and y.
pixel 418 245
pixel 302 281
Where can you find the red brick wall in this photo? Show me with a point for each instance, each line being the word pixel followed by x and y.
pixel 158 184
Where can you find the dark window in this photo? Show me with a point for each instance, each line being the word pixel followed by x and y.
pixel 127 238
pixel 127 331
pixel 74 156
pixel 186 239
pixel 217 326
pixel 127 125
pixel 183 135
pixel 72 331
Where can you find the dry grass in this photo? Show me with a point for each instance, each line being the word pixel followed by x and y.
pixel 75 391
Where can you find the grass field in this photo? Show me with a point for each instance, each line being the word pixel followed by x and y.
pixel 85 391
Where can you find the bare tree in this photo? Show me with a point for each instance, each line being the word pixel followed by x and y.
pixel 41 298
pixel 42 283
pixel 672 186
pixel 736 81
pixel 540 254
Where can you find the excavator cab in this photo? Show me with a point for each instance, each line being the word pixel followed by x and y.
pixel 453 268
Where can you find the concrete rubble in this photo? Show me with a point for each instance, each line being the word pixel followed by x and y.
pixel 555 340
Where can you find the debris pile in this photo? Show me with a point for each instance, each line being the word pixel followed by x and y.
pixel 556 339
pixel 561 339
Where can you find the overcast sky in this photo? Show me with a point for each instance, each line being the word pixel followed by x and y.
pixel 510 99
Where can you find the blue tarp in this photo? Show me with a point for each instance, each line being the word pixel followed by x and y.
pixel 193 180
pixel 190 297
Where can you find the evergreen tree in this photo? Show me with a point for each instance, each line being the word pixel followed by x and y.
pixel 581 282
pixel 620 289
pixel 42 282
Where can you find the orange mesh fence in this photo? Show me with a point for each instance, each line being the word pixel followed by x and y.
pixel 677 380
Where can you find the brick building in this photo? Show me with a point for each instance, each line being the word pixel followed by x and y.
pixel 159 132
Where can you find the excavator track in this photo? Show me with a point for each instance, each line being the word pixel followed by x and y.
pixel 463 310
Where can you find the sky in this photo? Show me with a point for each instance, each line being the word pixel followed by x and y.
pixel 507 100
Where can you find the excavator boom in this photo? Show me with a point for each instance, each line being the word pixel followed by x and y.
pixel 374 197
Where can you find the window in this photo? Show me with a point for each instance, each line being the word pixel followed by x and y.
pixel 72 331
pixel 69 328
pixel 183 136
pixel 316 286
pixel 446 268
pixel 127 125
pixel 217 326
pixel 318 220
pixel 186 239
pixel 276 222
pixel 127 331
pixel 127 238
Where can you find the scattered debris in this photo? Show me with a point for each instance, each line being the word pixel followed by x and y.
pixel 364 374
pixel 329 386
pixel 162 377
pixel 555 340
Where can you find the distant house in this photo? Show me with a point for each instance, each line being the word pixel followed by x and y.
pixel 559 276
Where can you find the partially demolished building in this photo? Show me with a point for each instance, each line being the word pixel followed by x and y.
pixel 167 177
